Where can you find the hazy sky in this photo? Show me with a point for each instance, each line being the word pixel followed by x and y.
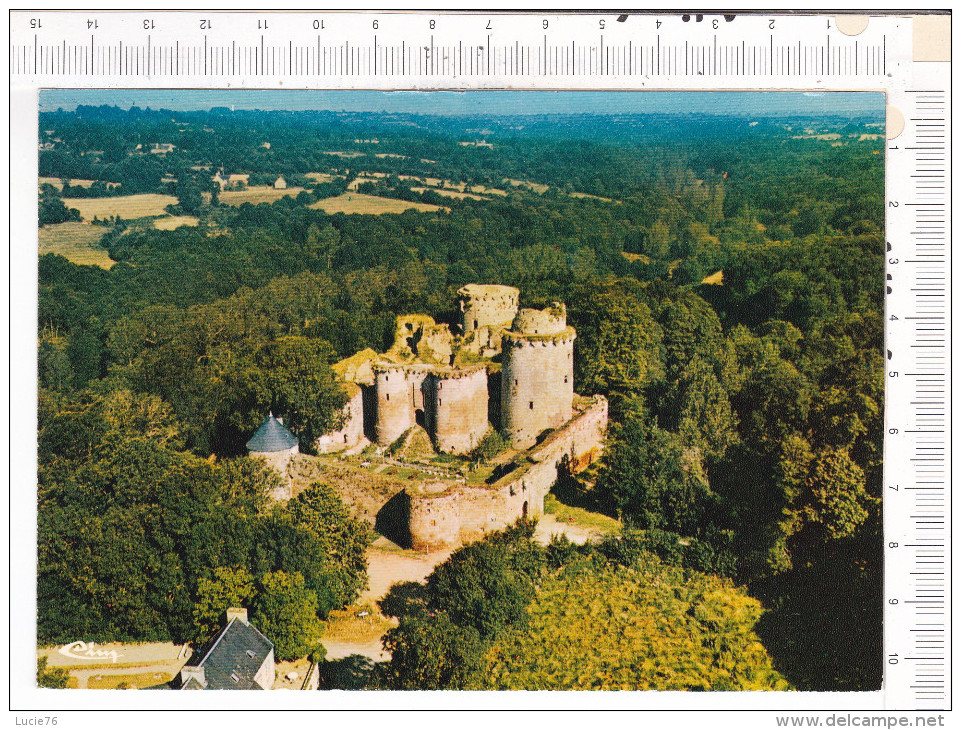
pixel 753 104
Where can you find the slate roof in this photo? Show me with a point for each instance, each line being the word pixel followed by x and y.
pixel 233 658
pixel 272 436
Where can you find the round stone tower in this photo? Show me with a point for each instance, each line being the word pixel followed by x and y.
pixel 395 406
pixel 487 305
pixel 537 379
pixel 457 408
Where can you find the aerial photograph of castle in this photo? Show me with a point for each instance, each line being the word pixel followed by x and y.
pixel 478 391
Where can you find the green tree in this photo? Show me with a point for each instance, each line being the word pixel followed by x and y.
pixel 227 588
pixel 52 677
pixel 618 341
pixel 839 501
pixel 334 558
pixel 285 611
pixel 650 481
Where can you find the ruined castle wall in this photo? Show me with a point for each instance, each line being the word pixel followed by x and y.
pixel 352 432
pixel 487 306
pixel 537 384
pixel 465 513
pixel 457 409
pixel 550 321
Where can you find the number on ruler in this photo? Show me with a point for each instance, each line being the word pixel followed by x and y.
pixel 35 23
pixel 149 25
pixel 261 25
pixel 205 24
pixel 92 24
pixel 319 25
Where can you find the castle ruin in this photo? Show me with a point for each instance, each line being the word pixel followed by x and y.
pixel 506 368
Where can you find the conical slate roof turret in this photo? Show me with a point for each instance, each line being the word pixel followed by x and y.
pixel 272 436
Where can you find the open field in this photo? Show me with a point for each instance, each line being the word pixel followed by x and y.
pixel 370 205
pixel 591 197
pixel 77 242
pixel 127 207
pixel 461 187
pixel 170 222
pixel 632 257
pixel 256 194
pixel 347 155
pixel 449 193
pixel 538 188
pixel 322 177
pixel 717 278
pixel 365 178
pixel 58 184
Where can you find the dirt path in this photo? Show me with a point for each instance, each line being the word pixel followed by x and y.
pixel 387 566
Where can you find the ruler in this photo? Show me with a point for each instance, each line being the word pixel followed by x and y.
pixel 918 418
pixel 451 49
pixel 638 51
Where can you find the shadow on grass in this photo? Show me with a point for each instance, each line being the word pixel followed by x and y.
pixel 824 625
pixel 352 672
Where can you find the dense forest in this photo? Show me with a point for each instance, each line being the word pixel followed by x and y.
pixel 725 278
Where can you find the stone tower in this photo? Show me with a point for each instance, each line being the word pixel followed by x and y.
pixel 487 305
pixel 537 379
pixel 399 397
pixel 457 408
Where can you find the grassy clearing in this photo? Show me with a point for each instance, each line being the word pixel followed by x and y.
pixel 147 205
pixel 349 626
pixel 58 184
pixel 461 187
pixel 538 188
pixel 370 205
pixel 256 194
pixel 171 222
pixel 365 178
pixel 77 242
pixel 111 681
pixel 322 177
pixel 580 517
pixel 450 193
pixel 347 155
pixel 717 278
pixel 632 257
pixel 592 197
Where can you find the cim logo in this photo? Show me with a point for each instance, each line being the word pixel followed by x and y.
pixel 83 650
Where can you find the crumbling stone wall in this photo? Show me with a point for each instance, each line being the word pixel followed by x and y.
pixel 352 432
pixel 487 305
pixel 463 512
